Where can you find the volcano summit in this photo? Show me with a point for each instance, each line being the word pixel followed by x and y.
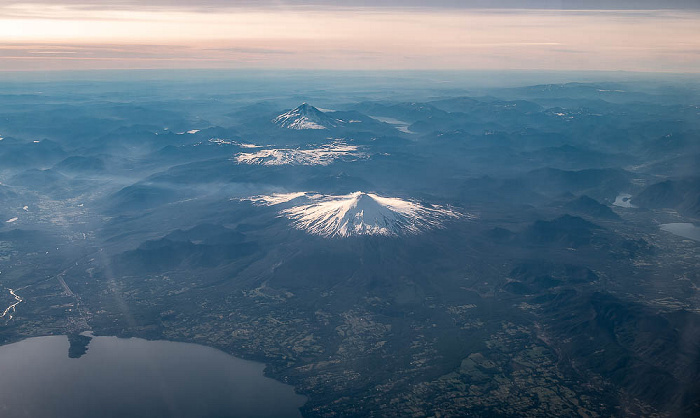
pixel 358 213
pixel 305 117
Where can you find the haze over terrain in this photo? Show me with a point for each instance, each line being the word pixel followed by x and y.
pixel 316 208
pixel 395 244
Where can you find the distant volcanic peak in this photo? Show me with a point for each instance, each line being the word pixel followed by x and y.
pixel 305 117
pixel 359 213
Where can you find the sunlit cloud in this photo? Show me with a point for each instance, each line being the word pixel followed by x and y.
pixel 218 5
pixel 68 36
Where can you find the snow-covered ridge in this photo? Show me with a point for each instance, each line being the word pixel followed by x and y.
pixel 221 141
pixel 305 117
pixel 275 198
pixel 321 155
pixel 357 213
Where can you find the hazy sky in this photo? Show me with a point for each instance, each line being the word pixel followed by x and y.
pixel 637 35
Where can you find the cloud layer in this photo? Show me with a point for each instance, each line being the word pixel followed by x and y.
pixel 169 34
pixel 433 4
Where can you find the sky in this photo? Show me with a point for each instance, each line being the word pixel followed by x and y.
pixel 627 35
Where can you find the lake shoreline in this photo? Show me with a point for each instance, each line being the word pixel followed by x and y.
pixel 204 376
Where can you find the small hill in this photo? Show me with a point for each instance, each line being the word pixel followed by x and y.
pixel 588 206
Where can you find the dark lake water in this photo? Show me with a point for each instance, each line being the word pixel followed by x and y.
pixel 135 378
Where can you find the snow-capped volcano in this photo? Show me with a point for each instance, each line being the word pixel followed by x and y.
pixel 358 213
pixel 305 117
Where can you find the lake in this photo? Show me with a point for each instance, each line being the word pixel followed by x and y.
pixel 135 378
pixel 685 230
